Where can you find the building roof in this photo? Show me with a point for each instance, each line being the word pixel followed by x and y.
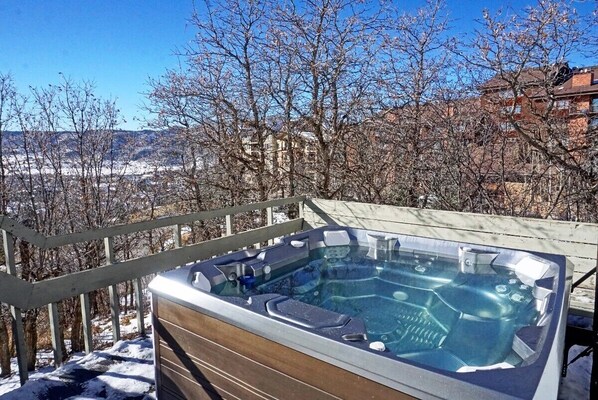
pixel 526 77
pixel 567 89
pixel 535 77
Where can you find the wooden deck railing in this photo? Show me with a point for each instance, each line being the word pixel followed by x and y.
pixel 21 295
pixel 577 241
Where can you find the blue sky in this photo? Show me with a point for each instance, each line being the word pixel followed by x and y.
pixel 119 44
pixel 116 44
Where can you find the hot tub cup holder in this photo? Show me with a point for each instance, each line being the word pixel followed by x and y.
pixel 381 247
pixel 355 337
pixel 473 261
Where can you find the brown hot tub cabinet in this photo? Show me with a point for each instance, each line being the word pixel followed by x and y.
pixel 211 345
pixel 200 357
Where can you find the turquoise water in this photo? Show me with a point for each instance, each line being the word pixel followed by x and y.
pixel 420 306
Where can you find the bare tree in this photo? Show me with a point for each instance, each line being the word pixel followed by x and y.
pixel 334 47
pixel 259 74
pixel 7 94
pixel 527 54
pixel 221 100
pixel 34 201
pixel 93 168
pixel 68 172
pixel 418 54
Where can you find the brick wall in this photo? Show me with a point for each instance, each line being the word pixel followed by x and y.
pixel 583 79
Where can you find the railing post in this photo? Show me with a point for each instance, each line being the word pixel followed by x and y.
pixel 17 317
pixel 229 224
pixel 300 206
pixel 176 233
pixel 55 333
pixel 113 291
pixel 86 314
pixel 178 243
pixel 270 221
pixel 138 288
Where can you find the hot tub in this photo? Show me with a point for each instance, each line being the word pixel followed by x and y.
pixel 348 313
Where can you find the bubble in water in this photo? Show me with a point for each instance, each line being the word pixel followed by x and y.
pixel 517 298
pixel 316 293
pixel 524 287
pixel 513 281
pixel 501 288
pixel 421 269
pixel 384 338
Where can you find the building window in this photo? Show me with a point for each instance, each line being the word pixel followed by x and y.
pixel 506 94
pixel 562 104
pixel 594 105
pixel 506 126
pixel 593 123
pixel 515 109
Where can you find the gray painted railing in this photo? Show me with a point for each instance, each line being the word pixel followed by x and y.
pixel 21 295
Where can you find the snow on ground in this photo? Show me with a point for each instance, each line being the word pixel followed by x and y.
pixel 279 217
pixel 125 372
pixel 577 383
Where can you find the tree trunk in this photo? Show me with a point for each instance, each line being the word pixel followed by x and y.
pixel 30 328
pixel 4 347
pixel 63 324
pixel 77 329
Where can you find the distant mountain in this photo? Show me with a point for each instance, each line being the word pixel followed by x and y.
pixel 135 145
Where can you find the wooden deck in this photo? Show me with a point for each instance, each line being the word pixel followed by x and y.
pixel 577 241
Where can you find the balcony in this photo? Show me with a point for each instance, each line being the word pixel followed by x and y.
pixel 577 241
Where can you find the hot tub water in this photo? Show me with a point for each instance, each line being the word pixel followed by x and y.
pixel 422 307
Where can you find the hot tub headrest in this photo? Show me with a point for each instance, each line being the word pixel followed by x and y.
pixel 336 238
